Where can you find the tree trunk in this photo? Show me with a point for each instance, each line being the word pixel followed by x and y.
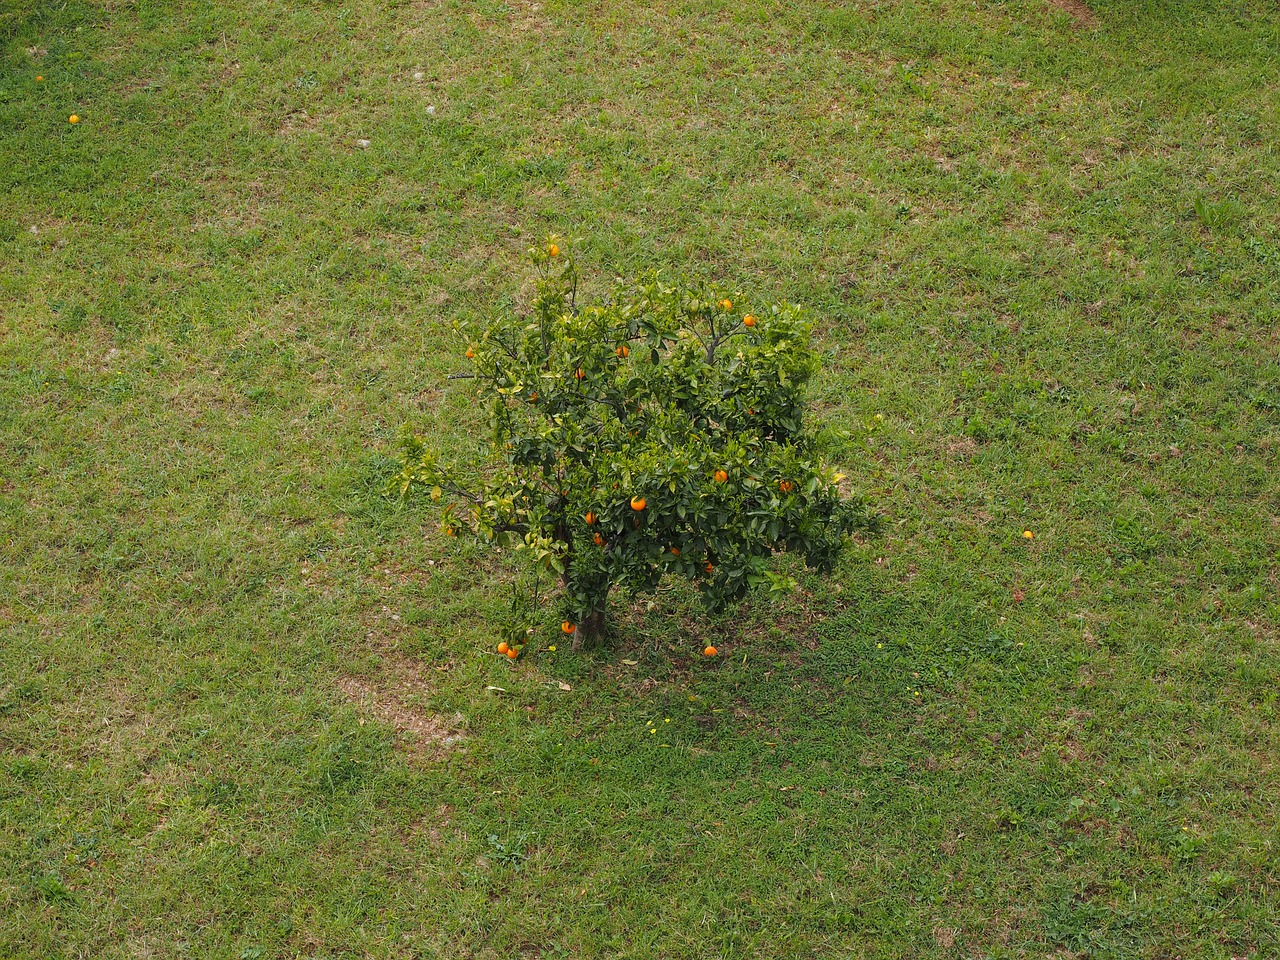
pixel 591 631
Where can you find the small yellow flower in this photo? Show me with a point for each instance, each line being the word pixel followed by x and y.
pixel 552 648
pixel 73 119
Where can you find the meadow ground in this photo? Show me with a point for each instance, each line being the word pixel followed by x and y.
pixel 245 701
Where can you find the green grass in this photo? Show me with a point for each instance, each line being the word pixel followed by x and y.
pixel 1046 256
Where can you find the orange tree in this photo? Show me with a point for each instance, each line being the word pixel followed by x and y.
pixel 661 432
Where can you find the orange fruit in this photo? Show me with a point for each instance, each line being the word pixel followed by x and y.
pixel 785 486
pixel 512 653
pixel 709 651
pixel 721 476
pixel 553 250
pixel 675 551
pixel 503 647
pixel 623 351
pixel 726 304
pixel 533 397
pixel 73 119
pixel 579 374
pixel 599 540
pixel 1028 534
pixel 567 627
pixel 470 353
pixel 748 321
pixel 590 518
pixel 39 79
pixel 637 503
pixel 708 566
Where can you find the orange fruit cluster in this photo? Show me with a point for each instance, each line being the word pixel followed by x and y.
pixel 721 476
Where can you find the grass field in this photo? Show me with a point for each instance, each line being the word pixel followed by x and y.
pixel 245 704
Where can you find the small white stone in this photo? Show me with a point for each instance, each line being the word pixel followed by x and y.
pixel 431 111
pixel 362 144
pixel 418 75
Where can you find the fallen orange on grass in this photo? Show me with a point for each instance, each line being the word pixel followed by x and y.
pixel 73 119
pixel 709 651
pixel 567 627
pixel 512 653
pixel 503 647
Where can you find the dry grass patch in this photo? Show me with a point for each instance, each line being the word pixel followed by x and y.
pixel 1078 11
pixel 425 735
